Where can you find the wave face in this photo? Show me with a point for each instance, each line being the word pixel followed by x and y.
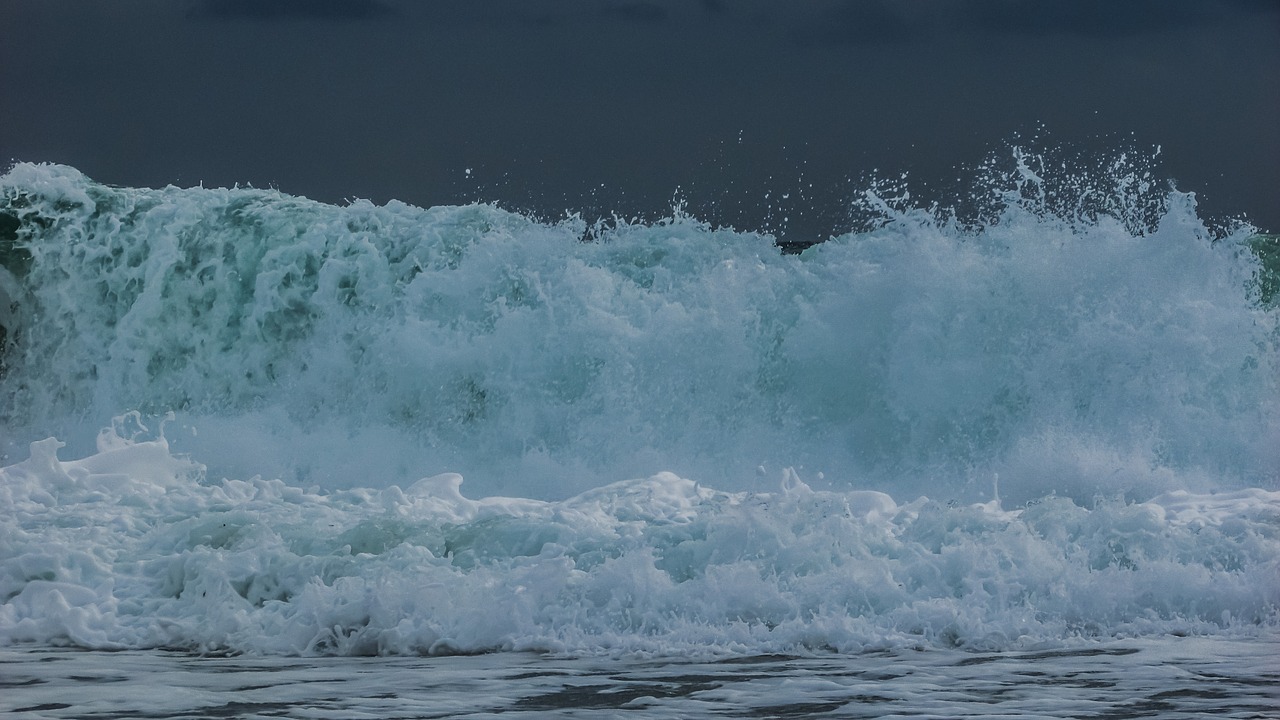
pixel 368 346
pixel 1068 357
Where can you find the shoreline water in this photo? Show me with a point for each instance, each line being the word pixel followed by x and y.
pixel 1189 677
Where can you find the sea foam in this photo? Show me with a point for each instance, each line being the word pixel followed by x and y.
pixel 1050 418
pixel 134 548
pixel 1101 348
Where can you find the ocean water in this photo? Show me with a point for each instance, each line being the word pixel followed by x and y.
pixel 1036 431
pixel 1153 677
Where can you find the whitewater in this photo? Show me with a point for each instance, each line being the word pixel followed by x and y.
pixel 244 425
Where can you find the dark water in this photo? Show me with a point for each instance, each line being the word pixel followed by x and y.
pixel 1160 678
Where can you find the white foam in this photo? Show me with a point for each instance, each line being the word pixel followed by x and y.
pixel 1084 399
pixel 132 548
pixel 364 346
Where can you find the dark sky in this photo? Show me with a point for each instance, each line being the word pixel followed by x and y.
pixel 616 106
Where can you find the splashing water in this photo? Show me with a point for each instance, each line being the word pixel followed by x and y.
pixel 1052 343
pixel 1079 346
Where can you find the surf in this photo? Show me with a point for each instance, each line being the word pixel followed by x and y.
pixel 238 421
pixel 1114 343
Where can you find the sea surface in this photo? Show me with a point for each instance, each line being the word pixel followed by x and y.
pixel 1148 678
pixel 1015 455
